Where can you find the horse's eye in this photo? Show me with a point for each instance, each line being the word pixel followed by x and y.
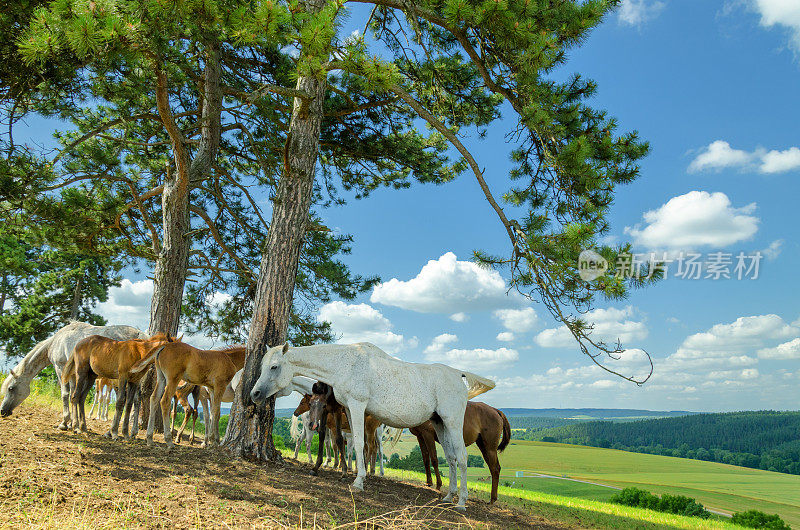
pixel 273 367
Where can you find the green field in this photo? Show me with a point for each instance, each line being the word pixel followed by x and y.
pixel 718 486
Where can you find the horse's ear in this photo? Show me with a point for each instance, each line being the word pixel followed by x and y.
pixel 285 348
pixel 12 373
pixel 179 339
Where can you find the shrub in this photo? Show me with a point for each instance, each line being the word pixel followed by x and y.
pixel 677 504
pixel 757 519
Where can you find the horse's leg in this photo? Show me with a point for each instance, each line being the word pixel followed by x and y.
pixel 206 416
pixel 173 414
pixel 380 448
pixel 299 441
pixel 128 405
pixel 137 403
pixel 87 387
pixel 94 401
pixel 188 412
pixel 426 459
pixel 356 419
pixel 216 405
pixel 155 399
pixel 452 428
pixel 171 384
pixel 321 448
pixel 430 442
pixel 490 457
pixel 449 452
pixel 369 450
pixel 122 397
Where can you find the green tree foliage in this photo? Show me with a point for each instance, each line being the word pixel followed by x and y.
pixel 760 439
pixel 411 462
pixel 757 519
pixel 677 504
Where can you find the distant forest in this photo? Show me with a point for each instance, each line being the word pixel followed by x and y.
pixel 763 440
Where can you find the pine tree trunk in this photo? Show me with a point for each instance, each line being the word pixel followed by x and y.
pixel 172 265
pixel 249 433
pixel 76 298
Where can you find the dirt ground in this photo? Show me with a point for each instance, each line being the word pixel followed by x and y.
pixel 50 478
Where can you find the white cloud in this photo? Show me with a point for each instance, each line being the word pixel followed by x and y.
pixel 719 155
pixel 697 218
pixel 741 336
pixel 128 304
pixel 363 323
pixel 448 286
pixel 505 336
pixel 439 343
pixel 784 13
pixel 637 12
pixel 785 351
pixel 475 359
pixel 518 320
pixel 609 325
pixel 459 317
pixel 773 250
pixel 468 359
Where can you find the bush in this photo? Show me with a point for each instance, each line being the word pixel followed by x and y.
pixel 474 461
pixel 677 504
pixel 411 462
pixel 757 519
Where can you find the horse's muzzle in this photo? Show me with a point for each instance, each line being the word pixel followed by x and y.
pixel 5 413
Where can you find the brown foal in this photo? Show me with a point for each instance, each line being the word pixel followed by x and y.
pixel 484 425
pixel 98 356
pixel 213 369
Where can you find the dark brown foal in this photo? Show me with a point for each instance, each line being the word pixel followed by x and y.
pixel 326 413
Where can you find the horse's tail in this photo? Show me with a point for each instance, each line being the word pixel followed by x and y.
pixel 394 434
pixel 506 432
pixel 69 369
pixel 144 364
pixel 476 385
pixel 294 428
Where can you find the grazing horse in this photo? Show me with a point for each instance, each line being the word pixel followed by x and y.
pixel 213 369
pixel 56 351
pixel 397 393
pixel 98 356
pixel 102 397
pixel 484 425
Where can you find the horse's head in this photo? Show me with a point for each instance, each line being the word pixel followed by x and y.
pixel 316 405
pixel 14 392
pixel 275 374
pixel 304 405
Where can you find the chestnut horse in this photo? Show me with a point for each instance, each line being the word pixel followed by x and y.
pixel 483 425
pixel 98 356
pixel 213 369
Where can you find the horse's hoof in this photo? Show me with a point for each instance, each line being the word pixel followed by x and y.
pixel 62 427
pixel 460 509
pixel 314 473
pixel 358 485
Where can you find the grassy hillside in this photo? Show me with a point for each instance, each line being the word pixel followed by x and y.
pixel 718 486
pixel 764 440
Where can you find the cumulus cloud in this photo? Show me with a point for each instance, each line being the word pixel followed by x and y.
pixel 785 351
pixel 459 317
pixel 719 155
pixel 743 335
pixel 505 336
pixel 439 343
pixel 448 286
pixel 468 359
pixel 695 219
pixel 637 12
pixel 518 320
pixel 363 323
pixel 784 13
pixel 610 324
pixel 128 304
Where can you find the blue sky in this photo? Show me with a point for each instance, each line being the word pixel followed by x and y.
pixel 713 86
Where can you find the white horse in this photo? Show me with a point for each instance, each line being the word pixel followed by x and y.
pixel 56 351
pixel 397 393
pixel 299 429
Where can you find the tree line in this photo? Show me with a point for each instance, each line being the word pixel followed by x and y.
pixel 762 439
